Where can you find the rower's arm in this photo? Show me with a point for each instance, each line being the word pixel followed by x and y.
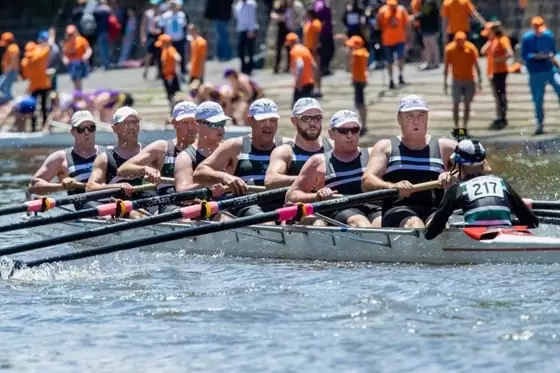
pixel 445 210
pixel 276 177
pixel 41 182
pixel 521 211
pixel 151 156
pixel 97 178
pixel 184 173
pixel 210 171
pixel 302 188
pixel 377 164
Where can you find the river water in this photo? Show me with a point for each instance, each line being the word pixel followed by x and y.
pixel 169 312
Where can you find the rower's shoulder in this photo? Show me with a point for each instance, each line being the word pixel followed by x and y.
pixel 232 143
pixel 446 143
pixel 57 157
pixel 282 150
pixel 383 145
pixel 287 140
pixel 157 145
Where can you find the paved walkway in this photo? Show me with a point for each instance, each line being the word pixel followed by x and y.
pixel 338 94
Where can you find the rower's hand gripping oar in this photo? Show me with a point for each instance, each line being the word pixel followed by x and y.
pixel 251 188
pixel 117 208
pixel 198 209
pixel 46 203
pixel 288 213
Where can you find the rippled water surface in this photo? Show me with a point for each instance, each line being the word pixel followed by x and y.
pixel 169 312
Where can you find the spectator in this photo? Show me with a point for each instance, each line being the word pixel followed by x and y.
pixel 321 7
pixel 373 39
pixel 10 65
pixel 538 50
pixel 48 38
pixel 428 21
pixel 84 20
pixel 295 15
pixel 102 13
pixel 278 15
pixel 311 37
pixel 219 12
pixel 149 33
pixel 456 16
pixel 246 16
pixel 304 68
pixel 199 51
pixel 129 35
pixel 174 23
pixel 77 52
pixel 353 19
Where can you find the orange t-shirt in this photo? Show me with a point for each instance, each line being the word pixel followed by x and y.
pixel 36 69
pixel 75 49
pixel 199 49
pixel 11 51
pixel 416 6
pixel 393 25
pixel 301 51
pixel 168 62
pixel 359 65
pixel 497 48
pixel 462 60
pixel 522 4
pixel 311 31
pixel 458 13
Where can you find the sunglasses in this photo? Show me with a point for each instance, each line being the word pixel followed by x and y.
pixel 311 118
pixel 345 131
pixel 91 129
pixel 221 124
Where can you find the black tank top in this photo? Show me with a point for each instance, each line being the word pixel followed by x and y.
pixel 168 169
pixel 416 166
pixel 114 161
pixel 195 156
pixel 345 177
pixel 79 168
pixel 252 163
pixel 300 156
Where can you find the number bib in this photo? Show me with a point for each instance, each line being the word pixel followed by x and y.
pixel 486 186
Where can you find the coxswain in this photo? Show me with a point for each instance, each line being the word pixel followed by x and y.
pixel 210 135
pixel 485 199
pixel 287 160
pixel 72 166
pixel 336 172
pixel 157 160
pixel 410 158
pixel 247 156
pixel 126 126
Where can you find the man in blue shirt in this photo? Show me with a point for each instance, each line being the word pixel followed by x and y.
pixel 538 50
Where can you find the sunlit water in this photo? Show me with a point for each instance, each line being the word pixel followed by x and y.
pixel 172 312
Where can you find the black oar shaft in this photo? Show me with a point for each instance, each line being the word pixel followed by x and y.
pixel 286 213
pixel 108 209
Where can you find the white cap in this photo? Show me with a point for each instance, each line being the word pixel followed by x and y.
pixel 412 103
pixel 342 117
pixel 184 110
pixel 124 112
pixel 263 108
pixel 81 116
pixel 210 111
pixel 304 104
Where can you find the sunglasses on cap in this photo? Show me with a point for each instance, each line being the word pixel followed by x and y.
pixel 345 131
pixel 220 124
pixel 311 118
pixel 92 128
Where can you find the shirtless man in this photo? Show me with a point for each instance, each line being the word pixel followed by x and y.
pixel 338 171
pixel 287 160
pixel 248 156
pixel 411 158
pixel 72 166
pixel 158 159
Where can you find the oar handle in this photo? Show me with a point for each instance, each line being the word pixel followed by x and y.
pixel 252 188
pixel 421 187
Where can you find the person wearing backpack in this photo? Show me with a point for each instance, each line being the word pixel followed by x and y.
pixel 102 14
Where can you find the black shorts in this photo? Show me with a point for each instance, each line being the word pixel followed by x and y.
pixel 305 91
pixel 151 45
pixel 395 215
pixel 172 86
pixel 370 211
pixel 256 209
pixel 359 96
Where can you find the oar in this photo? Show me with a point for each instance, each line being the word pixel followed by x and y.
pixel 544 205
pixel 547 213
pixel 252 188
pixel 193 211
pixel 117 208
pixel 46 203
pixel 294 212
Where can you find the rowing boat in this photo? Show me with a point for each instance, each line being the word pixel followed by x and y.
pixel 456 245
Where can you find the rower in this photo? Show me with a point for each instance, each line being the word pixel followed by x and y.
pixel 126 125
pixel 72 166
pixel 413 157
pixel 486 200
pixel 287 160
pixel 158 159
pixel 210 135
pixel 338 171
pixel 248 156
